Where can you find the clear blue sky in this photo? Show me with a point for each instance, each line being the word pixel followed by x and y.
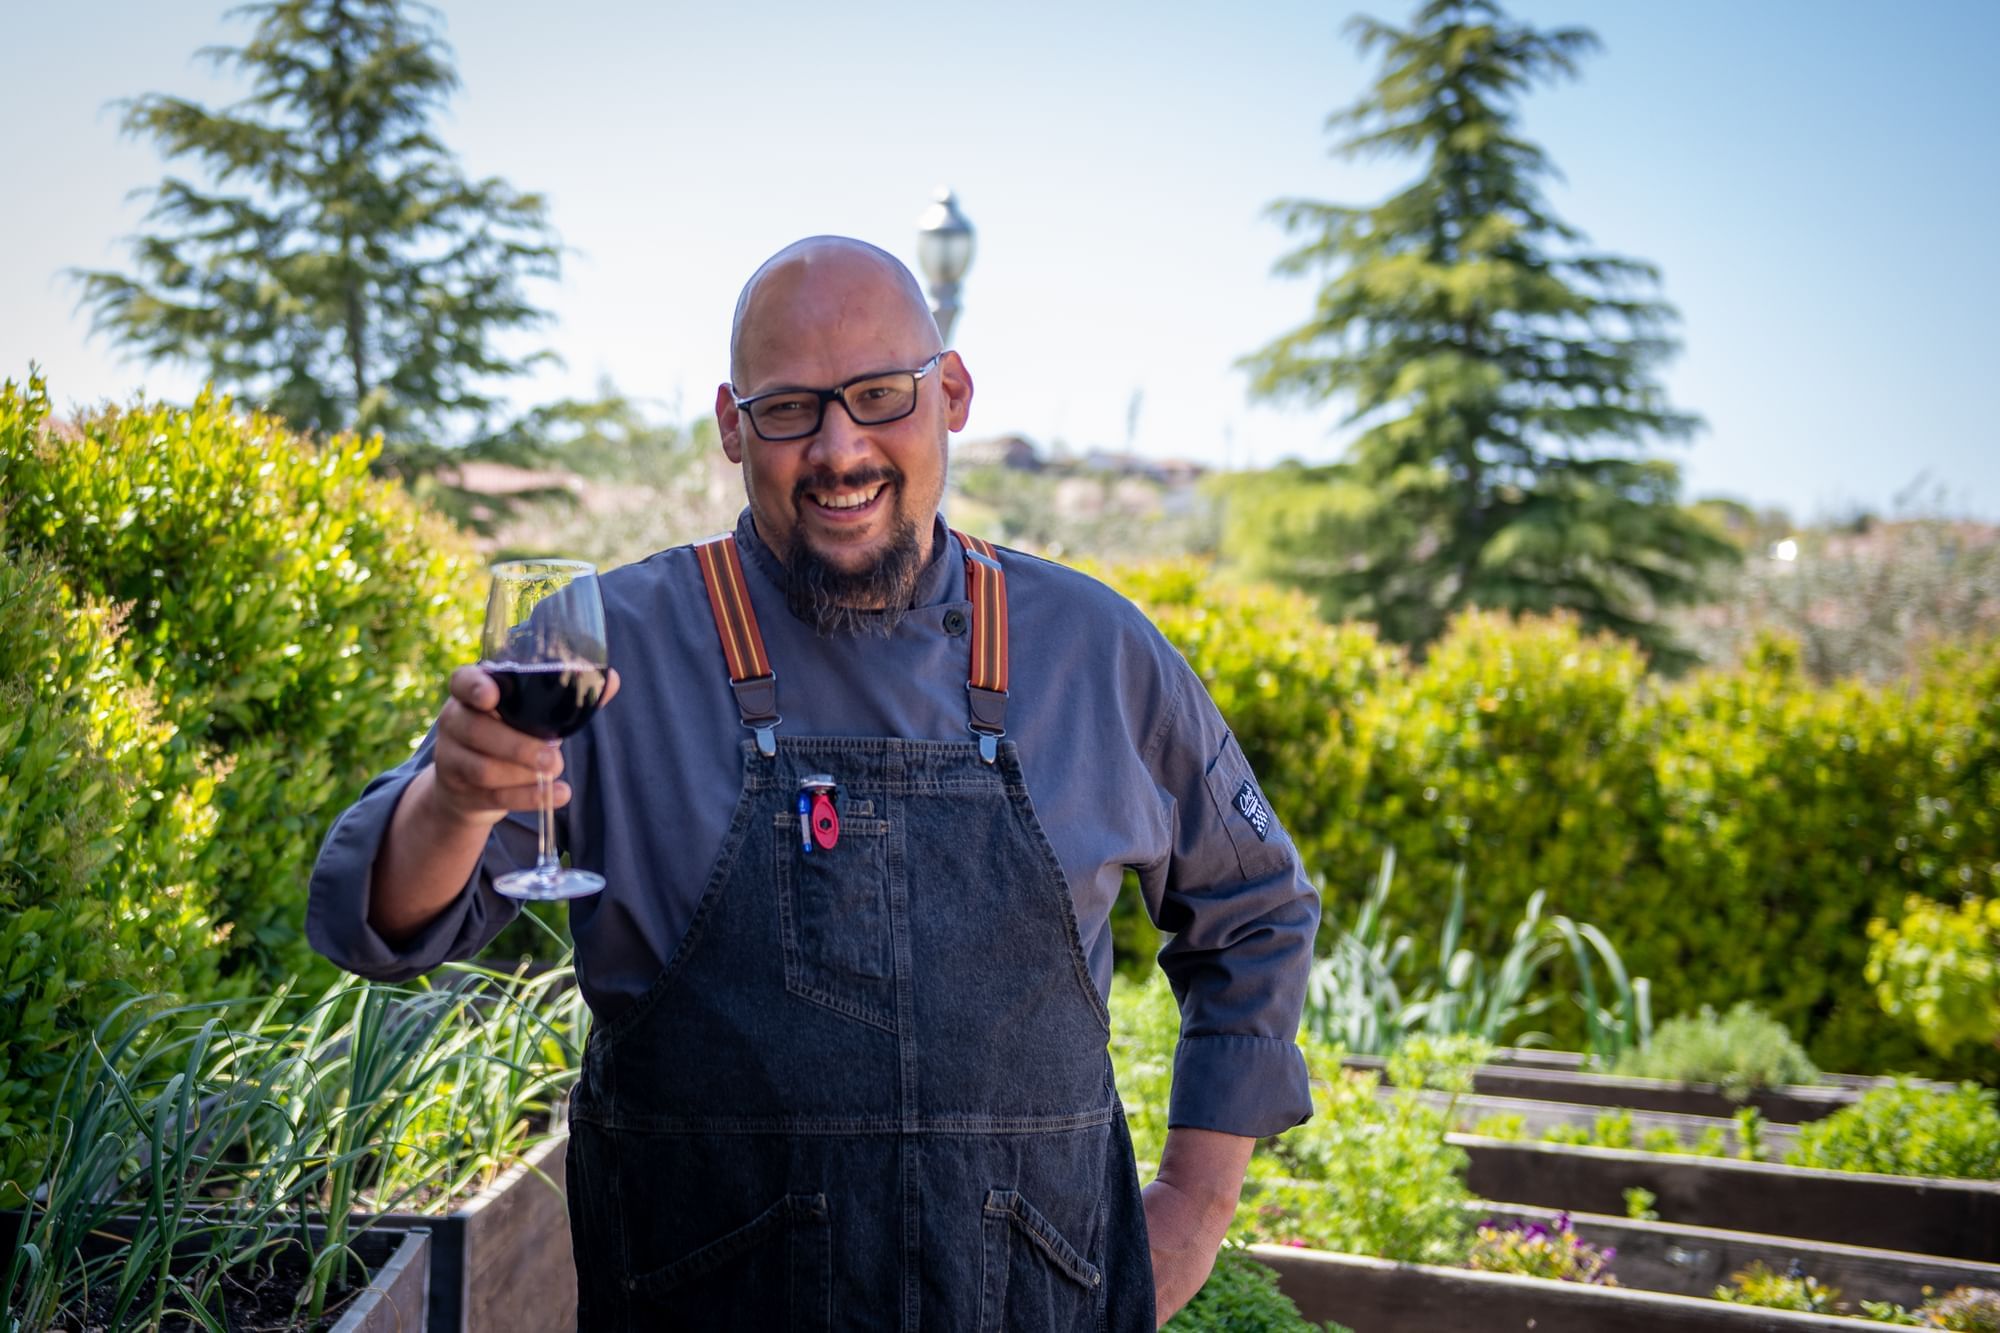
pixel 1817 179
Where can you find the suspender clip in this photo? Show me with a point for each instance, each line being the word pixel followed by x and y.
pixel 767 738
pixel 989 744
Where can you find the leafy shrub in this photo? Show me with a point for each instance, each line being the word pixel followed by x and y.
pixel 1741 1051
pixel 1758 1285
pixel 292 618
pixel 1939 970
pixel 1242 1296
pixel 1529 1249
pixel 1905 1130
pixel 1734 832
pixel 99 820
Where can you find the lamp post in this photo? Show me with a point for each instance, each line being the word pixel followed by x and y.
pixel 944 249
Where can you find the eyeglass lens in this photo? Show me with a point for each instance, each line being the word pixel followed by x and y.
pixel 870 402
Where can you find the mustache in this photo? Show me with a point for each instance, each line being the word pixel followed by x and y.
pixel 859 479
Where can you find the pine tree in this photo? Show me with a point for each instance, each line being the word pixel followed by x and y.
pixel 1502 376
pixel 338 267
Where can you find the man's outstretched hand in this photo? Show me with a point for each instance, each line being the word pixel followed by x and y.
pixel 1188 1210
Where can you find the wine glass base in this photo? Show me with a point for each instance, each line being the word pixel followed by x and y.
pixel 539 885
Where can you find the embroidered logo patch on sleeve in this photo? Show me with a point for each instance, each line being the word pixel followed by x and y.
pixel 1251 806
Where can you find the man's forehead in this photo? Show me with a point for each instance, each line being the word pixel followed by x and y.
pixel 830 291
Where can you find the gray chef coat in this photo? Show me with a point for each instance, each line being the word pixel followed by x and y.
pixel 1127 761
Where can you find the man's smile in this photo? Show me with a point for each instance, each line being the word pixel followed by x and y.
pixel 847 501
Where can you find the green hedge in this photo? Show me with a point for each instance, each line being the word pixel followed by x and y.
pixel 1733 833
pixel 292 618
pixel 100 823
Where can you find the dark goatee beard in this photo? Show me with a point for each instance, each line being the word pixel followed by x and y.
pixel 871 600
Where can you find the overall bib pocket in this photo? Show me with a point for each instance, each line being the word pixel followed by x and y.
pixel 1034 1279
pixel 834 918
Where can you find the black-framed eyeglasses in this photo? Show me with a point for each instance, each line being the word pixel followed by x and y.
pixel 870 400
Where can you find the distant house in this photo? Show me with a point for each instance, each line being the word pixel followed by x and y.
pixel 1008 451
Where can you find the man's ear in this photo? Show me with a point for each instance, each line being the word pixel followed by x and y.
pixel 729 423
pixel 956 381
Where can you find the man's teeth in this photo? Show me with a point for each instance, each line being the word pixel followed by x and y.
pixel 846 499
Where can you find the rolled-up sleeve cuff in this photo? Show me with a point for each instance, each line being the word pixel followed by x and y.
pixel 337 900
pixel 1252 1086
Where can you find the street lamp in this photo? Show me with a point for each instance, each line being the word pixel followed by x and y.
pixel 944 249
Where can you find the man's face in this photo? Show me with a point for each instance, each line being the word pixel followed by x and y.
pixel 847 491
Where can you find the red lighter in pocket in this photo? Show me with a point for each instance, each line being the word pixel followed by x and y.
pixel 819 821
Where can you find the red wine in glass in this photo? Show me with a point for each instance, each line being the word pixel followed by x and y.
pixel 546 653
pixel 549 701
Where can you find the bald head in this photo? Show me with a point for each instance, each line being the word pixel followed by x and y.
pixel 829 280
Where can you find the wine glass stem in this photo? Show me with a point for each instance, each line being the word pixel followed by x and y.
pixel 545 850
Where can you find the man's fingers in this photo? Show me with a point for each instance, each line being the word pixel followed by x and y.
pixel 475 689
pixel 610 688
pixel 488 735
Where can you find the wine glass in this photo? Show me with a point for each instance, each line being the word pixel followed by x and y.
pixel 544 648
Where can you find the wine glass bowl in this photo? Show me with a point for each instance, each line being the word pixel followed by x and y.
pixel 545 651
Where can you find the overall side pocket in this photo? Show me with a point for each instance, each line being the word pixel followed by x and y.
pixel 773 1272
pixel 1034 1280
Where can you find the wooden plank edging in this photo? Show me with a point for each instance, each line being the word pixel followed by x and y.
pixel 1381 1296
pixel 397 1297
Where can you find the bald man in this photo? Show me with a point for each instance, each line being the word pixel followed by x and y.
pixel 854 1074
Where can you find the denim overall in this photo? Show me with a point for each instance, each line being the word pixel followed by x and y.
pixel 871 1088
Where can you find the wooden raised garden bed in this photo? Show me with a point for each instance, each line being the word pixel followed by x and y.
pixel 1560 1077
pixel 1693 1261
pixel 397 1298
pixel 1958 1219
pixel 501 1262
pixel 1379 1296
pixel 1538 1117
pixel 397 1258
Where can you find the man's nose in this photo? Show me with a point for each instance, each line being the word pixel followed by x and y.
pixel 840 444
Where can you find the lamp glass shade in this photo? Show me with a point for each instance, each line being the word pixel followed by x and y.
pixel 945 253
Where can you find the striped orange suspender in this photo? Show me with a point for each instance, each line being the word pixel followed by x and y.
pixel 750 674
pixel 986 684
pixel 756 685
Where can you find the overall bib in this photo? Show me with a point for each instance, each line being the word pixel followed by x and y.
pixel 871 1089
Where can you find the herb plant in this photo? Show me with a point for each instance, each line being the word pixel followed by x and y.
pixel 1794 1290
pixel 1367 1174
pixel 1967 1309
pixel 1242 1296
pixel 1530 1249
pixel 1741 1051
pixel 1907 1130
